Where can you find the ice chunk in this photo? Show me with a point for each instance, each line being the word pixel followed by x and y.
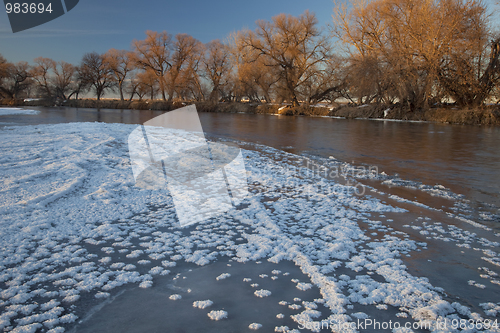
pixel 217 314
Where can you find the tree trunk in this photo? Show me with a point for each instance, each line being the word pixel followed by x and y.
pixel 120 87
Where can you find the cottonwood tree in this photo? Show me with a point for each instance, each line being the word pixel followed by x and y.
pixel 185 49
pixel 154 53
pixel 81 82
pixel 330 83
pixel 191 85
pixel 146 83
pixel 42 75
pixel 138 86
pixel 18 79
pixel 95 73
pixel 257 79
pixel 409 40
pixel 5 70
pixel 293 46
pixel 4 64
pixel 366 28
pixel 216 67
pixel 131 89
pixel 64 79
pixel 254 76
pixel 368 80
pixel 120 63
pixel 470 77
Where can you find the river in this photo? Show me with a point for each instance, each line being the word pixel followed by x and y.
pixel 464 159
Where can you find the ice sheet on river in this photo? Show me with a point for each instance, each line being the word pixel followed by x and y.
pixel 74 230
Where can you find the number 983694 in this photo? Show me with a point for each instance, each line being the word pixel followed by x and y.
pixel 27 8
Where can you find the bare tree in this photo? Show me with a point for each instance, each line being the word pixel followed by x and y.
pixel 120 62
pixel 64 79
pixel 3 67
pixel 5 71
pixel 140 84
pixel 409 40
pixel 470 77
pixel 368 80
pixel 154 53
pixel 81 82
pixel 255 76
pixel 147 84
pixel 41 74
pixel 191 85
pixel 18 79
pixel 329 83
pixel 294 46
pixel 216 67
pixel 96 73
pixel 184 49
pixel 258 79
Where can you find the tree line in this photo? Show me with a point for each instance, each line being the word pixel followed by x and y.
pixel 407 52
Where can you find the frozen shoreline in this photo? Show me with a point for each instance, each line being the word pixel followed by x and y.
pixel 75 230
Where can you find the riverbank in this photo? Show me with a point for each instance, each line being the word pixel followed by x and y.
pixel 487 115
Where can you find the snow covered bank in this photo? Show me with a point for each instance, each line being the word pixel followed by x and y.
pixel 17 111
pixel 74 229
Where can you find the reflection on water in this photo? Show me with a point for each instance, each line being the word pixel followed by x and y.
pixel 465 159
pixel 67 115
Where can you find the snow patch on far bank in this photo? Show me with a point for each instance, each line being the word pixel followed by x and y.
pixel 17 111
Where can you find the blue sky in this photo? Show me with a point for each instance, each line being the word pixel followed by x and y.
pixel 98 25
